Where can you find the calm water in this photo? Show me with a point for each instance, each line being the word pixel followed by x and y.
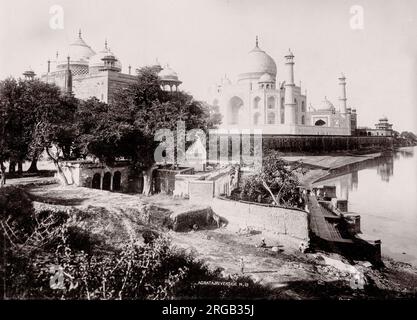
pixel 384 193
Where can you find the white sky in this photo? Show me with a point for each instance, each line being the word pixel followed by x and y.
pixel 203 40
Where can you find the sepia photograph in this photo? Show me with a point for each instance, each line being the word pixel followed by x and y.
pixel 231 151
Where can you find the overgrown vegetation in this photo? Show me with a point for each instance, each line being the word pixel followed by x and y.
pixel 276 183
pixel 47 256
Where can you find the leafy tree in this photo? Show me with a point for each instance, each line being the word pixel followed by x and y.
pixel 13 133
pixel 409 136
pixel 34 117
pixel 276 183
pixel 126 127
pixel 54 118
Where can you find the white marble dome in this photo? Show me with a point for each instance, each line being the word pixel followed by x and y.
pixel 78 51
pixel 168 74
pixel 327 105
pixel 256 64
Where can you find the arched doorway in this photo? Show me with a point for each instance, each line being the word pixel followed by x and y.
pixel 95 184
pixel 235 108
pixel 107 181
pixel 117 179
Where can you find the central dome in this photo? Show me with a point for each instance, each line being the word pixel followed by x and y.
pixel 257 63
pixel 78 51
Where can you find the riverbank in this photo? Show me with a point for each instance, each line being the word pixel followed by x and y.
pixel 320 166
pixel 288 273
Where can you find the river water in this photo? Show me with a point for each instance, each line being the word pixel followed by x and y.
pixel 384 192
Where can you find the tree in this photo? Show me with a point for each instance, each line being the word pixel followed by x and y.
pixel 126 127
pixel 13 142
pixel 276 182
pixel 53 123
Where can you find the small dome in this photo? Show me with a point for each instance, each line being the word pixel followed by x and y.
pixel 96 61
pixel 257 63
pixel 266 77
pixel 168 74
pixel 327 105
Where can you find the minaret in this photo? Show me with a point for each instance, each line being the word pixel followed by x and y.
pixel 68 78
pixel 289 90
pixel 49 65
pixel 342 98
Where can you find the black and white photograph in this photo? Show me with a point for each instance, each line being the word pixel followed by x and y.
pixel 208 150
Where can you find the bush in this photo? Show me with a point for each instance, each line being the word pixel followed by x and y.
pixel 57 259
pixel 16 211
pixel 279 177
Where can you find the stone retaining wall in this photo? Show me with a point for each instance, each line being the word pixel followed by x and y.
pixel 265 218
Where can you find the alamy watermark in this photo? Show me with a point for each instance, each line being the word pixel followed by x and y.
pixel 216 146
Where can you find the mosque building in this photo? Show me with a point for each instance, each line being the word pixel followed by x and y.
pixel 87 73
pixel 259 101
pixel 256 101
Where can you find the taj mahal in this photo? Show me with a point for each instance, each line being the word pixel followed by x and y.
pixel 259 101
pixel 256 101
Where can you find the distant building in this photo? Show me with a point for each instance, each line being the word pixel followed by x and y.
pixel 382 128
pixel 86 73
pixel 259 101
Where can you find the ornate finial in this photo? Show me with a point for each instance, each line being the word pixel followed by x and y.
pixel 57 55
pixel 79 33
pixel 257 41
pixel 290 55
pixel 105 44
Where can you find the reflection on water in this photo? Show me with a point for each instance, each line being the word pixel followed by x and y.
pixel 383 191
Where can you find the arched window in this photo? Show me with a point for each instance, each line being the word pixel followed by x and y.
pixel 320 123
pixel 271 118
pixel 303 120
pixel 303 106
pixel 235 108
pixel 271 102
pixel 256 118
pixel 256 102
pixel 117 179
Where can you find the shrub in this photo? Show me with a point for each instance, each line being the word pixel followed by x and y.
pixel 277 177
pixel 16 212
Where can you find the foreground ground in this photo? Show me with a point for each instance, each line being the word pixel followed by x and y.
pixel 291 274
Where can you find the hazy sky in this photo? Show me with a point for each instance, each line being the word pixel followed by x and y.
pixel 204 39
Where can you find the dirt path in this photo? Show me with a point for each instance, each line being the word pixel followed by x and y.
pixel 292 274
